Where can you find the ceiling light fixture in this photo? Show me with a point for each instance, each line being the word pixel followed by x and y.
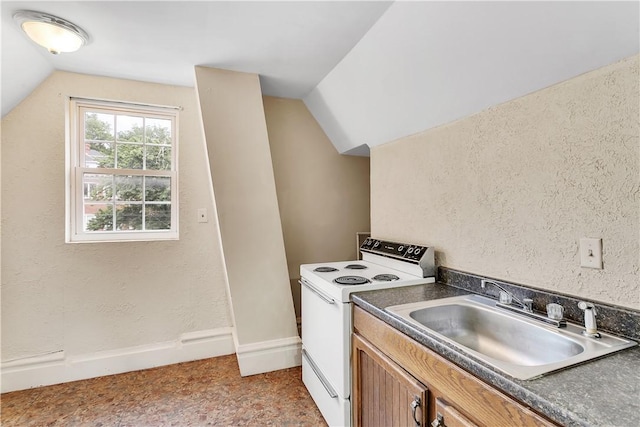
pixel 56 34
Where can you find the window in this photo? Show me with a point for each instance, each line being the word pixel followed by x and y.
pixel 122 172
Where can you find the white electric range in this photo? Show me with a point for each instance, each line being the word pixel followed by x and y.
pixel 326 314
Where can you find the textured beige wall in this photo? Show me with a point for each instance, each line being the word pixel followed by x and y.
pixel 245 195
pixel 323 196
pixel 83 298
pixel 509 192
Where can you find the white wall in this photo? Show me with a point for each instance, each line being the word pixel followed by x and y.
pixel 84 299
pixel 250 228
pixel 508 192
pixel 323 196
pixel 424 64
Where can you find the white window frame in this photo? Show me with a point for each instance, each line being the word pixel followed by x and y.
pixel 75 156
pixel 86 189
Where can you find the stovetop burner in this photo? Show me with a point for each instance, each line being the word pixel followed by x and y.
pixel 325 269
pixel 355 267
pixel 351 280
pixel 386 277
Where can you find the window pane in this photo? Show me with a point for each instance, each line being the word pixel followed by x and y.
pixel 128 217
pixel 97 187
pixel 157 189
pixel 98 131
pixel 158 131
pixel 98 126
pixel 129 156
pixel 158 158
pixel 129 188
pixel 130 129
pixel 98 217
pixel 98 154
pixel 158 217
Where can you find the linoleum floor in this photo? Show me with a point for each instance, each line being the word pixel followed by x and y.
pixel 208 392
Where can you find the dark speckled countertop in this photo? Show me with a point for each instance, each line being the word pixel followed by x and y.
pixel 602 392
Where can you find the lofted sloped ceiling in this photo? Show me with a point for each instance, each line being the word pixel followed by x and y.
pixel 292 45
pixel 425 64
pixel 370 72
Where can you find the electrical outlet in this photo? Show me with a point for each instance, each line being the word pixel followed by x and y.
pixel 591 253
pixel 202 215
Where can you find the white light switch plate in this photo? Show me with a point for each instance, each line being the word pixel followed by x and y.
pixel 591 253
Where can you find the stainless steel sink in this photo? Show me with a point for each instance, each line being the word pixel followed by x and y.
pixel 516 345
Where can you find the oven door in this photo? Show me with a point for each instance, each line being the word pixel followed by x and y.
pixel 326 333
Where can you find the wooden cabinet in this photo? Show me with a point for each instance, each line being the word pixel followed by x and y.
pixel 384 394
pixel 455 397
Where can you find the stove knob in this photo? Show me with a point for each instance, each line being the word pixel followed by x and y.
pixel 400 249
pixel 376 244
pixel 417 251
pixel 410 251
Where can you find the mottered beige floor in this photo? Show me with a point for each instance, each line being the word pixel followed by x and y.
pixel 209 392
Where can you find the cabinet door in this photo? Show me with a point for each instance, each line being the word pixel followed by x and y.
pixel 448 416
pixel 383 393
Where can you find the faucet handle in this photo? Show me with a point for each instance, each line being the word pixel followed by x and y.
pixel 555 311
pixel 505 297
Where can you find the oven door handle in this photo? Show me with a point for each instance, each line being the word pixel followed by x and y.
pixel 321 377
pixel 324 297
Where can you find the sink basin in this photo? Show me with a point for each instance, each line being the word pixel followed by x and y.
pixel 519 346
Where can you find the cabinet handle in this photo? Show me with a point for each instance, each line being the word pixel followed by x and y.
pixel 414 406
pixel 439 421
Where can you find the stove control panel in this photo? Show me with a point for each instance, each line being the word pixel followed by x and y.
pixel 404 251
pixel 413 259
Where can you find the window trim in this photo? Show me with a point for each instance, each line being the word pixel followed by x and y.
pixel 76 167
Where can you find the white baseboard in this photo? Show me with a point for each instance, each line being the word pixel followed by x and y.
pixel 56 368
pixel 269 356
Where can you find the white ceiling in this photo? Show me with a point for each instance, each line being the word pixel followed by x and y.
pixel 292 45
pixel 425 64
pixel 369 71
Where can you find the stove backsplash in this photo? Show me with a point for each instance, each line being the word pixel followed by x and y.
pixel 610 318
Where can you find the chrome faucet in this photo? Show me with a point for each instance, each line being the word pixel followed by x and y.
pixel 526 303
pixel 527 310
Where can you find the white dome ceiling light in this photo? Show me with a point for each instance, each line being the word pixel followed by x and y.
pixel 57 35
